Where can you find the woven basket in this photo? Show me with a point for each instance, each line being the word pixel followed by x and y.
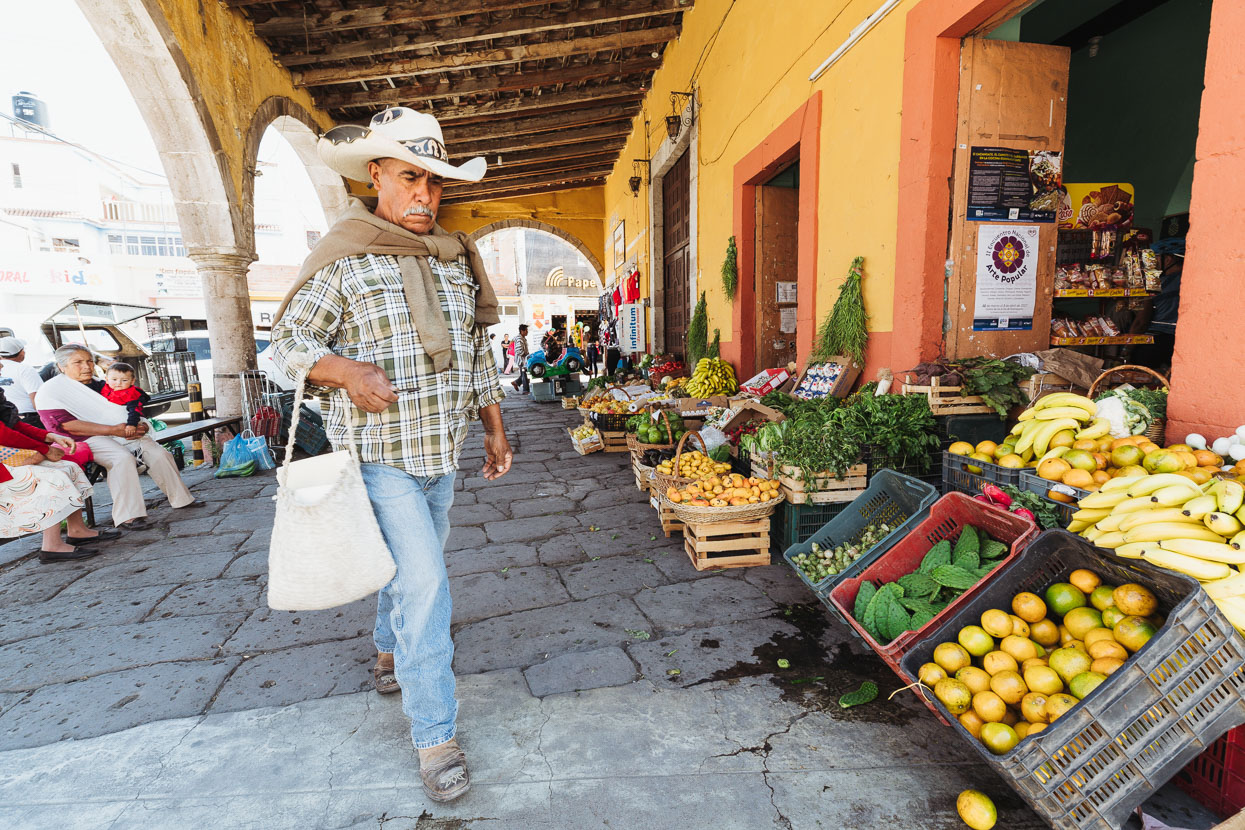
pixel 1158 427
pixel 731 513
pixel 638 448
pixel 664 482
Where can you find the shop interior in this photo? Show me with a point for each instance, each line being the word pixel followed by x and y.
pixel 1135 83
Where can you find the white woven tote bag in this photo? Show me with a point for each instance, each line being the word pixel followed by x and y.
pixel 327 549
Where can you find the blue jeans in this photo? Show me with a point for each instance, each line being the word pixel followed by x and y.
pixel 413 610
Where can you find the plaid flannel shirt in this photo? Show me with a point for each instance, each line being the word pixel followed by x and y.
pixel 356 308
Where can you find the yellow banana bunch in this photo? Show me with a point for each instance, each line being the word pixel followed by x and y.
pixel 712 376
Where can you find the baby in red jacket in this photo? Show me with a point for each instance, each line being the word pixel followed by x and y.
pixel 119 388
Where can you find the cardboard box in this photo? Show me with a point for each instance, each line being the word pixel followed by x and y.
pixel 689 407
pixel 766 381
pixel 849 371
pixel 752 411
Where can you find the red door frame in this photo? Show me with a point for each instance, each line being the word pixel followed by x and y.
pixel 796 138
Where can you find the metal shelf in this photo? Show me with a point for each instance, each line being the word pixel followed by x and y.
pixel 1122 340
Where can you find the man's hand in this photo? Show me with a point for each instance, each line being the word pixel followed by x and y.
pixel 497 455
pixel 128 432
pixel 370 388
pixel 34 459
pixel 63 441
pixel 54 453
pixel 143 428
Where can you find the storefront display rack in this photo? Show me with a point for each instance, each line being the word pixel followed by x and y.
pixel 1122 340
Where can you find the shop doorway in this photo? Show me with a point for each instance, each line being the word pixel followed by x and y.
pixel 676 232
pixel 776 276
pixel 1106 101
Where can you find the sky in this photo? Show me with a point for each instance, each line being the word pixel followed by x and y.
pixel 48 48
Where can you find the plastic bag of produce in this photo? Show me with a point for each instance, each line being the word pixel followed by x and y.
pixel 236 459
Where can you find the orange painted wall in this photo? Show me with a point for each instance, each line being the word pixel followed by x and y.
pixel 1208 370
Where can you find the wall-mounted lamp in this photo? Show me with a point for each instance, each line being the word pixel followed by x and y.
pixel 639 170
pixel 675 121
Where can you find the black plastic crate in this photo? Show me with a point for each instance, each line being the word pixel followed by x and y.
pixel 990 472
pixel 610 422
pixel 1169 701
pixel 930 472
pixel 794 524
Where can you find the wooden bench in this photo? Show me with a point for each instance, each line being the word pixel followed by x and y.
pixel 95 472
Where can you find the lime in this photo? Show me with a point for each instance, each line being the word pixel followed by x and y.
pixel 1062 597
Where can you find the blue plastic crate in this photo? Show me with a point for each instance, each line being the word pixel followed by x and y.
pixel 894 498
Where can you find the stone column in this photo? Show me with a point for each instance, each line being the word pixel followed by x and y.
pixel 230 330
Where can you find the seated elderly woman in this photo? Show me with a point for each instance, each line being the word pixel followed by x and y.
pixel 39 490
pixel 70 403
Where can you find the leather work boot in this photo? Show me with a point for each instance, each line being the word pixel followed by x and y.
pixel 443 769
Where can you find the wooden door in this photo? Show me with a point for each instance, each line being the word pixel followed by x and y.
pixel 676 233
pixel 777 249
pixel 1011 95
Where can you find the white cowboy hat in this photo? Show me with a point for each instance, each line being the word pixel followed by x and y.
pixel 400 133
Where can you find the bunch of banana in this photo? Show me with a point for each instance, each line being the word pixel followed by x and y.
pixel 1051 415
pixel 1169 521
pixel 712 376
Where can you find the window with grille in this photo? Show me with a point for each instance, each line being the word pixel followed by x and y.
pixel 65 246
pixel 17 175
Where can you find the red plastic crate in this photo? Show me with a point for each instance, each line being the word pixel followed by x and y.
pixel 1216 778
pixel 946 517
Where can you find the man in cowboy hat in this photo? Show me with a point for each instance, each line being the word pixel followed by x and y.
pixel 395 310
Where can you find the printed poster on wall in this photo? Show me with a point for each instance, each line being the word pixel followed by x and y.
pixel 1007 258
pixel 1005 183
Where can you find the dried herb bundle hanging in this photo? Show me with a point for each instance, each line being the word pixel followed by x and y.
pixel 846 330
pixel 715 348
pixel 698 332
pixel 730 270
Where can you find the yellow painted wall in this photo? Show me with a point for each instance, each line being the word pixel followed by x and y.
pixel 579 212
pixel 235 72
pixel 750 71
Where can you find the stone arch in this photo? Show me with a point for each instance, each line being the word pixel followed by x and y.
pixel 138 38
pixel 299 128
pixel 534 224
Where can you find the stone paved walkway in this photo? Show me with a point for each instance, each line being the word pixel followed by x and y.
pixel 604 681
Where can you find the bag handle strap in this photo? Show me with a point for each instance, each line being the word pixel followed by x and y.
pixel 300 385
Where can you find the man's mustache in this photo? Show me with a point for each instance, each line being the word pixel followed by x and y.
pixel 417 210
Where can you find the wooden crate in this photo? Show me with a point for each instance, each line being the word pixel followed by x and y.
pixel 717 545
pixel 615 441
pixel 947 400
pixel 641 474
pixel 670 523
pixel 825 490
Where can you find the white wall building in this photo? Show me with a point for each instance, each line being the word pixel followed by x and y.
pixel 74 224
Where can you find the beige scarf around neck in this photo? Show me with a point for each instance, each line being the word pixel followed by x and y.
pixel 359 231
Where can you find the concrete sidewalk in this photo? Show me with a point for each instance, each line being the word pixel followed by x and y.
pixel 603 681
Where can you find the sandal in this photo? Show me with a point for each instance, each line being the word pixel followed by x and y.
pixel 383 679
pixel 444 774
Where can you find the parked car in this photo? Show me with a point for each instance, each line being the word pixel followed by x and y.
pixel 568 363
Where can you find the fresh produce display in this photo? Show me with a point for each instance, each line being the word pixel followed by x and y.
pixel 712 376
pixel 608 406
pixel 1228 446
pixel 585 431
pixel 1029 505
pixel 694 464
pixel 1131 411
pixel 666 428
pixel 666 366
pixel 821 563
pixel 736 434
pixel 726 490
pixel 996 381
pixel 1026 666
pixel 1174 523
pixel 948 570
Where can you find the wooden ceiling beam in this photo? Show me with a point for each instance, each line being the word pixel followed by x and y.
pixel 526 190
pixel 451 113
pixel 552 182
pixel 614 12
pixel 381 14
pixel 407 67
pixel 530 168
pixel 615 132
pixel 414 94
pixel 538 123
pixel 512 158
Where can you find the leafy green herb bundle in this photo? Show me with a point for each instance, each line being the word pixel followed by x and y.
pixel 730 270
pixel 698 333
pixel 846 330
pixel 996 381
pixel 902 429
pixel 1043 509
pixel 946 571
